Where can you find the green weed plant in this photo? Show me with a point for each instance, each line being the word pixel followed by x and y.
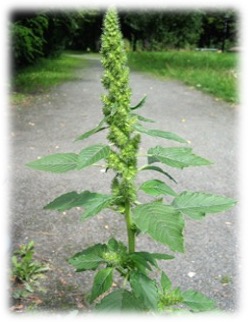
pixel 26 271
pixel 163 221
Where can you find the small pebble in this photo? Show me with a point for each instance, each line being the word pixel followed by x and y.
pixel 191 274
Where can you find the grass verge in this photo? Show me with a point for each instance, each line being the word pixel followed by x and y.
pixel 214 73
pixel 47 72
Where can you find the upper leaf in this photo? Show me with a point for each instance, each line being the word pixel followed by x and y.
pixel 140 104
pixel 176 157
pixel 159 133
pixel 58 163
pixel 197 204
pixel 158 169
pixel 102 282
pixel 97 129
pixel 197 301
pixel 156 188
pixel 92 154
pixel 142 118
pixel 91 201
pixel 95 203
pixel 119 300
pixel 68 201
pixel 144 289
pixel 163 223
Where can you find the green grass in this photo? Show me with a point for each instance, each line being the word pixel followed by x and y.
pixel 214 73
pixel 45 74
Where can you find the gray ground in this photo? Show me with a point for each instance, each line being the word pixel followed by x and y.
pixel 50 125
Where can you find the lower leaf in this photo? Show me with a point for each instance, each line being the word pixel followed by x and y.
pixel 197 301
pixel 102 282
pixel 119 300
pixel 145 289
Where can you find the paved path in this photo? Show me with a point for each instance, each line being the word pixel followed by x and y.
pixel 50 126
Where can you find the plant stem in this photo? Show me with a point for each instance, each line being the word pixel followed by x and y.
pixel 130 231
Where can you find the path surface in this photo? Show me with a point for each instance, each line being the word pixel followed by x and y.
pixel 50 126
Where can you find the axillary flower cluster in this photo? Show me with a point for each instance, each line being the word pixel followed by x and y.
pixel 125 143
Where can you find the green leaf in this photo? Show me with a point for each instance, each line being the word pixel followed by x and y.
pixel 85 262
pixel 176 157
pixel 162 256
pixel 92 154
pixel 58 163
pixel 159 133
pixel 102 282
pixel 156 188
pixel 140 104
pixel 68 201
pixel 144 289
pixel 119 300
pixel 96 202
pixel 96 249
pixel 163 223
pixel 148 257
pixel 197 204
pixel 158 169
pixel 97 129
pixel 142 118
pixel 140 261
pixel 197 301
pixel 152 257
pixel 165 282
pixel 91 201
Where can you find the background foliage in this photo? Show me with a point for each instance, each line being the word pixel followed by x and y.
pixel 47 33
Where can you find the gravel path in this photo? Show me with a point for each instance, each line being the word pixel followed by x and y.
pixel 50 125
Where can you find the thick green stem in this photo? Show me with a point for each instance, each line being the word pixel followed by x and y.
pixel 130 231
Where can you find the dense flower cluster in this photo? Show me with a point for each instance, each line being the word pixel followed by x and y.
pixel 116 109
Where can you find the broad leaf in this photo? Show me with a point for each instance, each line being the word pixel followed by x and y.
pixel 176 157
pixel 157 188
pixel 96 203
pixel 102 282
pixel 197 301
pixel 153 257
pixel 142 118
pixel 92 154
pixel 92 202
pixel 116 246
pixel 140 104
pixel 85 262
pixel 97 129
pixel 68 201
pixel 140 262
pixel 197 204
pixel 162 256
pixel 97 249
pixel 119 300
pixel 158 169
pixel 165 282
pixel 148 257
pixel 58 163
pixel 160 133
pixel 163 223
pixel 144 289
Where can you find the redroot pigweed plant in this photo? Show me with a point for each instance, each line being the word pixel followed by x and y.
pixel 162 221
